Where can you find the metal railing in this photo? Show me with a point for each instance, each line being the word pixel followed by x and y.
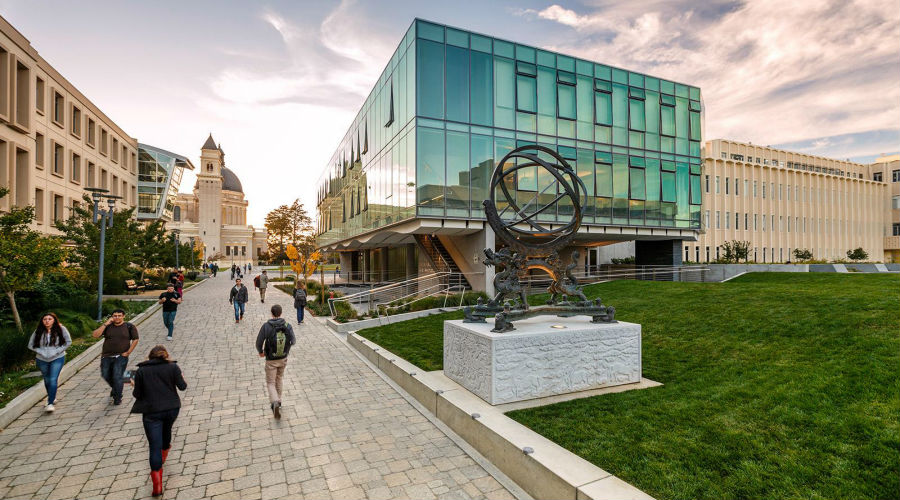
pixel 420 287
pixel 588 275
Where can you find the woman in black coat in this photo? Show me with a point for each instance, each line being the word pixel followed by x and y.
pixel 156 397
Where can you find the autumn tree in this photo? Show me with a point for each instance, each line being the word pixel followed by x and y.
pixel 289 224
pixel 303 263
pixel 24 254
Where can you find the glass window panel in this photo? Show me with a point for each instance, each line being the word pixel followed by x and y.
pixel 457 37
pixel 695 106
pixel 504 49
pixel 636 79
pixel 430 31
pixel 637 119
pixel 584 90
pixel 545 58
pixel 651 83
pixel 695 126
pixel 410 85
pixel 481 43
pixel 619 76
pixel 620 107
pixel 603 108
pixel 526 93
pixel 503 146
pixel 602 134
pixel 566 101
pixel 457 84
pixel 482 167
pixel 565 63
pixel 637 186
pixel 584 68
pixel 651 174
pixel 695 93
pixel 602 72
pixel 430 88
pixel 524 53
pixel 681 90
pixel 604 184
pixel 482 88
pixel 667 87
pixel 430 169
pixel 667 121
pixel 620 176
pixel 681 119
pixel 505 93
pixel 585 170
pixel 668 186
pixel 695 190
pixel 457 173
pixel 546 100
pixel 684 191
pixel 651 112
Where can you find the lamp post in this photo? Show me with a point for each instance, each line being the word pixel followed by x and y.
pixel 105 218
pixel 175 234
pixel 192 251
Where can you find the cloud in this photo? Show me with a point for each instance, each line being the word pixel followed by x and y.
pixel 770 71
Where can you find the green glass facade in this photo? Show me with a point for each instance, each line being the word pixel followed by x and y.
pixel 450 103
pixel 159 176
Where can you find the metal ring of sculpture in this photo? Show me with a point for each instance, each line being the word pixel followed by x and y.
pixel 537 238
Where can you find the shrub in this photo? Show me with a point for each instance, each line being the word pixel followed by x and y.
pixel 857 254
pixel 624 260
pixel 802 254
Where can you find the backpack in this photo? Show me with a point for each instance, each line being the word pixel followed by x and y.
pixel 256 281
pixel 280 341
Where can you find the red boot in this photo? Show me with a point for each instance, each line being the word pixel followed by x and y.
pixel 156 477
pixel 165 453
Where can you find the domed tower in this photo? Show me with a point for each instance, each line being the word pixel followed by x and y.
pixel 209 196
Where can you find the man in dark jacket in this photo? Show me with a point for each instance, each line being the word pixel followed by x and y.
pixel 273 342
pixel 300 302
pixel 238 298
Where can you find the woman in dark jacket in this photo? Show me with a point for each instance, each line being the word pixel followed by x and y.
pixel 156 397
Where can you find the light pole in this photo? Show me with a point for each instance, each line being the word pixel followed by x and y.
pixel 192 251
pixel 105 218
pixel 175 234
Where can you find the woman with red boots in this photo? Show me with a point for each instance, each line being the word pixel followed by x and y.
pixel 156 397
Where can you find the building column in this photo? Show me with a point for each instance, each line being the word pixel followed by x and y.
pixel 411 267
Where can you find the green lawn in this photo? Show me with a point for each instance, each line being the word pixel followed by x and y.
pixel 776 386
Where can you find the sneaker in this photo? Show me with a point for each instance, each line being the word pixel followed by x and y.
pixel 276 409
pixel 169 337
pixel 237 321
pixel 50 408
pixel 117 402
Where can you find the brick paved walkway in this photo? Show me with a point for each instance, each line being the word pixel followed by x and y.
pixel 345 433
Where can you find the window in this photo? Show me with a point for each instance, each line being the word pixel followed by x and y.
pixel 754 189
pixel 636 113
pixel 602 102
pixel 726 185
pixel 75 168
pixel 717 184
pixel 895 202
pixel 526 87
pixel 104 141
pixel 21 108
pixel 746 221
pixel 76 121
pixel 39 149
pixel 209 167
pixel 58 159
pixel 764 190
pixel 40 95
pixel 115 150
pixel 707 183
pixel 737 220
pixel 39 206
pixel 727 220
pixel 565 95
pixel 718 220
pixel 59 108
pixel 389 109
pixel 896 229
pixel 895 176
pixel 667 115
pixel 90 180
pixel 91 132
pixel 706 219
pixel 58 207
pixel 176 214
pixel 877 176
pixel 4 80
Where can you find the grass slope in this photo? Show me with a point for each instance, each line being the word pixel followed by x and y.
pixel 776 386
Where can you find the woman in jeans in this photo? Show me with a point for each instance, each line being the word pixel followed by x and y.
pixel 50 341
pixel 156 397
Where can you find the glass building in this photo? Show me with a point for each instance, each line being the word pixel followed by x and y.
pixel 159 176
pixel 418 157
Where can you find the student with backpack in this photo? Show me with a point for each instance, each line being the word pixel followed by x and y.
pixel 119 340
pixel 300 302
pixel 273 342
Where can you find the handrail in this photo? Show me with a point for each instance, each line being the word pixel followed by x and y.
pixel 422 286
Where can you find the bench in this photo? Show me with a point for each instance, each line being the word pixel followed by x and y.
pixel 148 284
pixel 131 286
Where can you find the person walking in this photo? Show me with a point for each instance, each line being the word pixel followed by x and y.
pixel 273 342
pixel 238 297
pixel 119 340
pixel 249 266
pixel 263 283
pixel 50 341
pixel 169 300
pixel 300 301
pixel 156 398
pixel 215 269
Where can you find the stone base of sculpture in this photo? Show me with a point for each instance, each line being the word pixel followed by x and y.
pixel 544 356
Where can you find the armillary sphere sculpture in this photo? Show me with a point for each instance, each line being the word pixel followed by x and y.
pixel 534 244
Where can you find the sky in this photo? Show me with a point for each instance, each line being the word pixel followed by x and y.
pixel 278 83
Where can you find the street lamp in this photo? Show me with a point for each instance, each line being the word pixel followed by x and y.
pixel 175 234
pixel 192 251
pixel 105 218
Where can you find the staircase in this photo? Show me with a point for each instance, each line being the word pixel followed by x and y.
pixel 442 261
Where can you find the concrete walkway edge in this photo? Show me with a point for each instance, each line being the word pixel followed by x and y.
pixel 21 403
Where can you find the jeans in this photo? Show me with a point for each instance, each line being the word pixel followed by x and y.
pixel 169 320
pixel 238 310
pixel 300 314
pixel 50 370
pixel 112 369
pixel 158 427
pixel 275 378
pixel 262 294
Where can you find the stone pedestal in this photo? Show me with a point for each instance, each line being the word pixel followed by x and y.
pixel 543 356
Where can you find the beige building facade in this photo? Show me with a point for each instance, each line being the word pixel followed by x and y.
pixel 887 169
pixel 215 213
pixel 54 142
pixel 780 201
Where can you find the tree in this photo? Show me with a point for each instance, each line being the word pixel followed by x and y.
pixel 289 224
pixel 121 244
pixel 303 264
pixel 736 251
pixel 802 254
pixel 24 254
pixel 151 249
pixel 857 254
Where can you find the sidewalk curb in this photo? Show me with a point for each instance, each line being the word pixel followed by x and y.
pixel 33 395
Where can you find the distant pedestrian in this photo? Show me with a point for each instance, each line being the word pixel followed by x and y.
pixel 263 284
pixel 273 342
pixel 50 341
pixel 300 302
pixel 238 297
pixel 156 397
pixel 215 269
pixel 119 340
pixel 169 300
pixel 249 266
